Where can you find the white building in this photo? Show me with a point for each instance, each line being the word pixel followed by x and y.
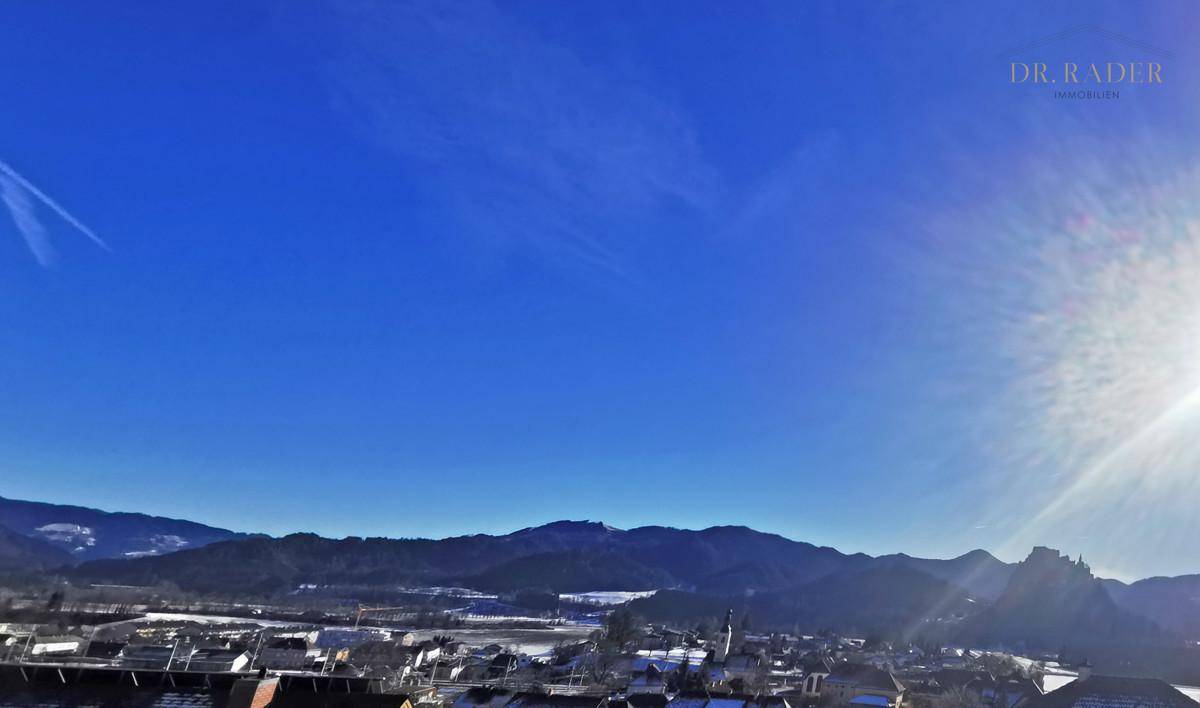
pixel 55 646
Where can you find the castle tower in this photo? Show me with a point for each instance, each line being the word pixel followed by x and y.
pixel 723 638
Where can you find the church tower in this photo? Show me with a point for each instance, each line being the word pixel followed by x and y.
pixel 726 635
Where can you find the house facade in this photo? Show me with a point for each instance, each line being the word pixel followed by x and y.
pixel 847 682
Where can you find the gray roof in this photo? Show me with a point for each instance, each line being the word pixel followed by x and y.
pixel 865 676
pixel 1114 692
pixel 543 700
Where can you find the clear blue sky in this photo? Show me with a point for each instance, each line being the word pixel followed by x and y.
pixel 419 269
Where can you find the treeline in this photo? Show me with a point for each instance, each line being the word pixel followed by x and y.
pixel 895 603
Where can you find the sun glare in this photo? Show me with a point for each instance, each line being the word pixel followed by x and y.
pixel 1079 282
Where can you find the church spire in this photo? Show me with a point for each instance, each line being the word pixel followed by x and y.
pixel 722 649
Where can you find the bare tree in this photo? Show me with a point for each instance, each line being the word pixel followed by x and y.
pixel 601 664
pixel 958 698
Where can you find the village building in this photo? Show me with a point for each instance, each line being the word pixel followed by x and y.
pixel 648 681
pixel 388 654
pixel 501 666
pixel 103 650
pixel 862 685
pixel 483 697
pixel 743 666
pixel 153 656
pixel 41 686
pixel 218 660
pixel 956 679
pixel 1004 692
pixel 640 700
pixel 815 669
pixel 430 652
pixel 55 646
pixel 706 699
pixel 287 654
pixel 554 700
pixel 449 669
pixel 348 638
pixel 1090 691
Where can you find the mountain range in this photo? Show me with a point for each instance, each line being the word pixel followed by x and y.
pixel 87 534
pixel 565 556
pixel 1046 600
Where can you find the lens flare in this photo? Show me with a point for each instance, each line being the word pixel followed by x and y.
pixel 1083 297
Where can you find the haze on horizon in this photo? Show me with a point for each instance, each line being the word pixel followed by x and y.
pixel 398 269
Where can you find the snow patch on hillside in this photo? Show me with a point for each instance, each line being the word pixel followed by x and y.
pixel 82 537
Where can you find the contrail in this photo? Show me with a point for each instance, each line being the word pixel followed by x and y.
pixel 20 206
pixel 26 221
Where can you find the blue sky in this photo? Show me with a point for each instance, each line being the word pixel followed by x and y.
pixel 425 269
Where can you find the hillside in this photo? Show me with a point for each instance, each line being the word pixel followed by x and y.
pixel 1173 603
pixel 21 554
pixel 276 565
pixel 571 571
pixel 890 600
pixel 981 573
pixel 88 534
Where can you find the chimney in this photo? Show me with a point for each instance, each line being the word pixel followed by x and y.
pixel 253 692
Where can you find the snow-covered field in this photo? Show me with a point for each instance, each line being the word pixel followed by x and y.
pixel 527 641
pixel 450 592
pixel 211 619
pixel 605 597
pixel 495 619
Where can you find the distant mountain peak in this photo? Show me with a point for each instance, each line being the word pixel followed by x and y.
pixel 1049 565
pixel 978 553
pixel 567 526
pixel 1051 599
pixel 584 524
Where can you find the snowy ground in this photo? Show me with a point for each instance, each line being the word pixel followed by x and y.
pixel 1192 692
pixel 211 619
pixel 467 615
pixel 525 641
pixel 1057 680
pixel 606 597
pixel 449 592
pixel 668 660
